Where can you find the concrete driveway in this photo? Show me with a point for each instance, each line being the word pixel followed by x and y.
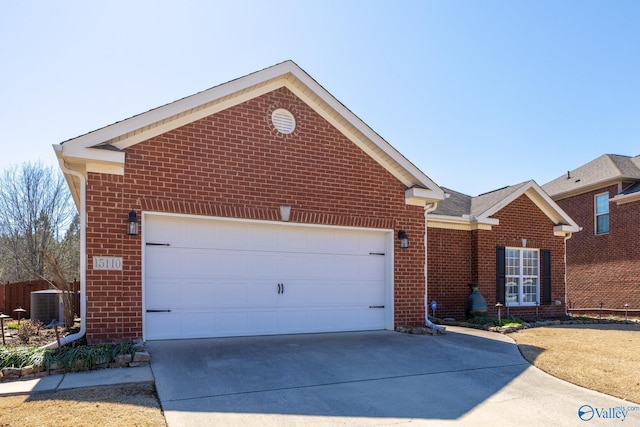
pixel 465 377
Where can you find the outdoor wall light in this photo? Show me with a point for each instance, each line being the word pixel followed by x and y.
pixel 404 239
pixel 132 224
pixel 285 212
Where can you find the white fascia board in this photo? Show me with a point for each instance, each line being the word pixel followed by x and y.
pixel 421 197
pixel 72 182
pixel 96 160
pixel 465 222
pixel 181 120
pixel 551 205
pixel 621 199
pixel 164 112
pixel 149 124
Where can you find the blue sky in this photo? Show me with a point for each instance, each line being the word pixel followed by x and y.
pixel 477 94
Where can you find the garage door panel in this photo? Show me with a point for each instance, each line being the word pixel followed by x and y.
pixel 346 268
pixel 195 294
pixel 353 294
pixel 198 325
pixel 230 323
pixel 263 294
pixel 165 294
pixel 319 294
pixel 292 266
pixel 264 322
pixel 229 295
pixel 261 265
pixel 163 325
pixel 222 278
pixel 162 263
pixel 371 267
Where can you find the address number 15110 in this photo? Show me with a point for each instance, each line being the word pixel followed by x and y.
pixel 107 263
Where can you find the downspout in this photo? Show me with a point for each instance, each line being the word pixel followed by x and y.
pixel 427 210
pixel 83 257
pixel 566 302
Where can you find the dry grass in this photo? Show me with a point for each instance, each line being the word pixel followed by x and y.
pixel 601 357
pixel 130 405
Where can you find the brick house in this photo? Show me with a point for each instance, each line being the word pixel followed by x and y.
pixel 510 241
pixel 603 261
pixel 260 206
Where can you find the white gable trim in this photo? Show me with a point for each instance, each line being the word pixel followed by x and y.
pixel 564 225
pixel 542 200
pixel 82 150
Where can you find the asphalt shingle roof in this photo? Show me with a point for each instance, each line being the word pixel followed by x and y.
pixel 608 167
pixel 458 204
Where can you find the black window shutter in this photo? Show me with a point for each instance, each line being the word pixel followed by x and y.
pixel 500 274
pixel 546 275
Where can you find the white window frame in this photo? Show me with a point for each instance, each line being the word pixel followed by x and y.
pixel 599 214
pixel 519 280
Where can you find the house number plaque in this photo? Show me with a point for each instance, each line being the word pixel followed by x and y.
pixel 107 263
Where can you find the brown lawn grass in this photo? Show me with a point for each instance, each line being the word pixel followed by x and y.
pixel 124 405
pixel 601 357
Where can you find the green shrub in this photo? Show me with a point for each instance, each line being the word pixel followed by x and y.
pixel 494 321
pixel 12 325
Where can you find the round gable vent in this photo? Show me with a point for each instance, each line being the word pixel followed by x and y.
pixel 283 121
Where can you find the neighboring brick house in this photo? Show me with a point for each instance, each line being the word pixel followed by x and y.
pixel 510 241
pixel 261 206
pixel 603 260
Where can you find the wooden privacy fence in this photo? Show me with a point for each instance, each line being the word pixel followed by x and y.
pixel 19 295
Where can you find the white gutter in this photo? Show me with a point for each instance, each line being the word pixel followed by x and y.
pixel 83 251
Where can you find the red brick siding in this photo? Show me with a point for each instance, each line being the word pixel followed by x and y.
pixel 450 261
pixel 235 164
pixel 475 252
pixel 603 268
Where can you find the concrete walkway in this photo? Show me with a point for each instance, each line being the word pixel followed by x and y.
pixel 465 377
pixel 77 380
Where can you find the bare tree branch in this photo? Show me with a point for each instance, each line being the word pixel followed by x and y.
pixel 39 227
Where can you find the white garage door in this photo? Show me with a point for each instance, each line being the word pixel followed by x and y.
pixel 213 278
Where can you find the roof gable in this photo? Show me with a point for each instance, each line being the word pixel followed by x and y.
pixel 463 212
pixel 605 170
pixel 103 150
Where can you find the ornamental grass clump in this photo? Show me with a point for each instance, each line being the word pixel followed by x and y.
pixel 68 358
pixel 87 357
pixel 19 357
